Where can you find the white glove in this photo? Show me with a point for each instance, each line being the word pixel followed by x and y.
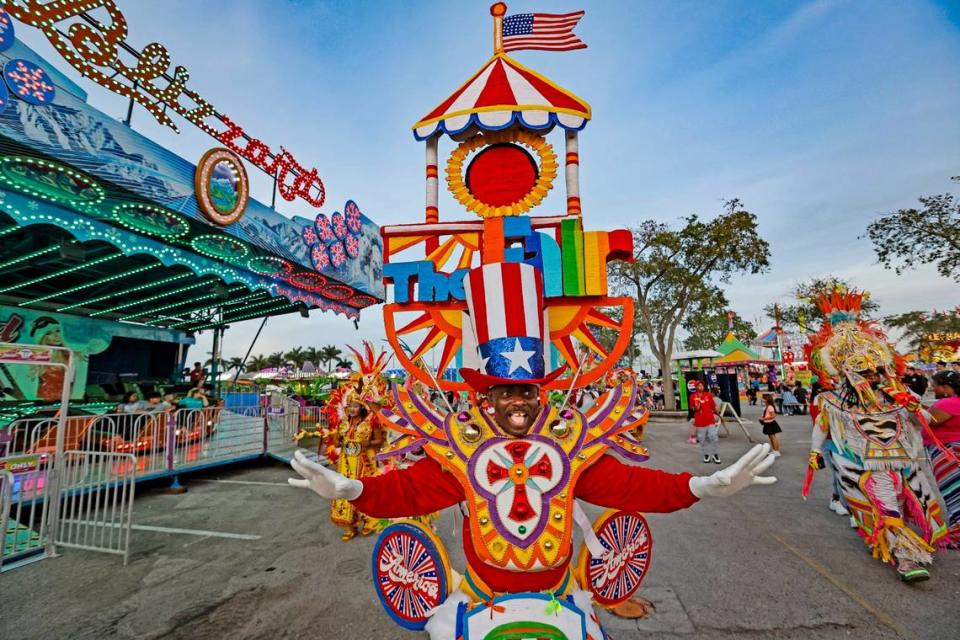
pixel 322 481
pixel 738 476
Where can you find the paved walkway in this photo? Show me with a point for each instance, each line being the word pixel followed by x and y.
pixel 242 555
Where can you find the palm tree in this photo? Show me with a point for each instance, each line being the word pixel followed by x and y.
pixel 296 356
pixel 275 359
pixel 235 363
pixel 310 354
pixel 328 353
pixel 256 363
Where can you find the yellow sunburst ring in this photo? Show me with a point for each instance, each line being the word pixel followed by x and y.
pixel 547 172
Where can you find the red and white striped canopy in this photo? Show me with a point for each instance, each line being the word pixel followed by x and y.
pixel 500 94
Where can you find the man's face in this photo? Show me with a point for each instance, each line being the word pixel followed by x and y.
pixel 154 401
pixel 515 407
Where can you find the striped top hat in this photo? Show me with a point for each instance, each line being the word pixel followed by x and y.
pixel 505 301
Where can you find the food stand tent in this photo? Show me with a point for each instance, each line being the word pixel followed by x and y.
pixel 735 353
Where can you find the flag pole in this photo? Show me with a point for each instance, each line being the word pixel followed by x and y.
pixel 498 10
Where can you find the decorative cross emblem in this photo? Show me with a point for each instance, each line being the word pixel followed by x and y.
pixel 520 470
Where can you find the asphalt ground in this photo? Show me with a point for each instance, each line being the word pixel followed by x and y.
pixel 242 555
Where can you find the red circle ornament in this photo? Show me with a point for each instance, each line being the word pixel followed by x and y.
pixel 628 545
pixel 361 301
pixel 221 186
pixel 501 174
pixel 337 292
pixel 308 281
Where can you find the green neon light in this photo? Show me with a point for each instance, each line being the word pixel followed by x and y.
pixel 86 285
pixel 9 230
pixel 32 177
pixel 173 305
pixel 189 287
pixel 150 220
pixel 62 272
pixel 269 266
pixel 248 316
pixel 219 247
pixel 188 311
pixel 139 287
pixel 28 256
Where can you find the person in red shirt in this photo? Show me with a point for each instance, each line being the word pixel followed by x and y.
pixel 704 420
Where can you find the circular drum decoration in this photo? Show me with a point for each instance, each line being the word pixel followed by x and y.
pixel 220 247
pixel 308 281
pixel 221 186
pixel 628 545
pixel 411 573
pixel 503 178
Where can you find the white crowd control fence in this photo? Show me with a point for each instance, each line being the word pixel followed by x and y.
pixel 96 510
pixel 68 480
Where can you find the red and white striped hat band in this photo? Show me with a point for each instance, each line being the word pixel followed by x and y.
pixel 505 302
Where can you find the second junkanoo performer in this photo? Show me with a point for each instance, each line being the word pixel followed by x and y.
pixel 870 427
pixel 519 472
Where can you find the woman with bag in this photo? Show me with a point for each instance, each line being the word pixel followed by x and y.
pixel 769 422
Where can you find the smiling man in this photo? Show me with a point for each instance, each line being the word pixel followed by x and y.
pixel 519 472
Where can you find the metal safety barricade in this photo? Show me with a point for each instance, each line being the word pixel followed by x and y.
pixel 96 505
pixel 26 496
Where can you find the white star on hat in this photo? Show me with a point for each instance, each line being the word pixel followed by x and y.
pixel 519 359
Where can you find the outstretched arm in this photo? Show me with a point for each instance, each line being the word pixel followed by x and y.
pixel 419 490
pixel 610 483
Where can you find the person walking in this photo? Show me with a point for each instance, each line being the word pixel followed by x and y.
pixel 769 421
pixel 705 423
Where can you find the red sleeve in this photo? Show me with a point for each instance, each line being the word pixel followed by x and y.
pixel 610 483
pixel 423 488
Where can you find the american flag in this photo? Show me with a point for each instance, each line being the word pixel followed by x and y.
pixel 544 31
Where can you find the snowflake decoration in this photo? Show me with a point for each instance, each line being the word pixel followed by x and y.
pixel 7 35
pixel 29 82
pixel 33 205
pixel 352 245
pixel 335 240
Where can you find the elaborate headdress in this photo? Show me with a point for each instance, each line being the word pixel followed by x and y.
pixel 365 385
pixel 845 346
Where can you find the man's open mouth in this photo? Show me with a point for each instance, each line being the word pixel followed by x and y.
pixel 518 417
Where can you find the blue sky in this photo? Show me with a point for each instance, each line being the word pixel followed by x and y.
pixel 819 116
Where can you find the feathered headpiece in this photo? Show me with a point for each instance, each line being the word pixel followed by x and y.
pixel 364 385
pixel 847 345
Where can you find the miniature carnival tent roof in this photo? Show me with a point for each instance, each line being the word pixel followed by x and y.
pixel 736 353
pixel 502 93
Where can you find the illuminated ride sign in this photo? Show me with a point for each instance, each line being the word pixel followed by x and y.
pixel 93 47
pixel 221 186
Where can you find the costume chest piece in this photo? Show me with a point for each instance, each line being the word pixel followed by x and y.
pixel 517 479
pixel 519 490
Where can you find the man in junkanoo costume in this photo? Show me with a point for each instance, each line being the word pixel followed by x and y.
pixel 519 473
pixel 869 426
pixel 355 434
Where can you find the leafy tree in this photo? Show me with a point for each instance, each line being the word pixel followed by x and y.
pixel 673 272
pixel 234 364
pixel 708 325
pixel 275 359
pixel 804 314
pixel 931 234
pixel 310 354
pixel 923 330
